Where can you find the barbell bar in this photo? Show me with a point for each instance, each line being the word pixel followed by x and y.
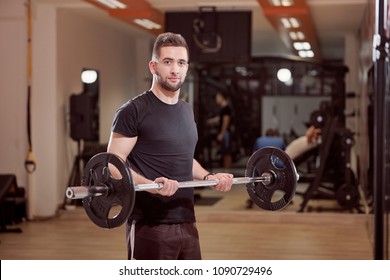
pixel 270 178
pixel 80 192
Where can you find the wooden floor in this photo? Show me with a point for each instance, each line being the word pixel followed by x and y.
pixel 228 231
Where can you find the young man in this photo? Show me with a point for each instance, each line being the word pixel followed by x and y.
pixel 156 133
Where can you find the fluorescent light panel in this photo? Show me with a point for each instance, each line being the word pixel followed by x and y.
pixel 285 22
pixel 309 53
pixel 290 22
pixel 146 23
pixel 295 36
pixel 219 4
pixel 113 4
pixel 284 3
pixel 294 22
pixel 306 45
pixel 299 46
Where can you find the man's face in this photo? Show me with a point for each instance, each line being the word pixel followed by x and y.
pixel 171 68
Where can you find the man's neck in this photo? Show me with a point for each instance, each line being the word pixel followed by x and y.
pixel 168 97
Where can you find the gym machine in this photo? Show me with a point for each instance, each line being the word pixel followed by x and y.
pixel 333 177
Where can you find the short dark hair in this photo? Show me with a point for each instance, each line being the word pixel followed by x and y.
pixel 168 39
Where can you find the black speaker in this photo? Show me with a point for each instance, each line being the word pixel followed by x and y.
pixel 84 117
pixel 12 202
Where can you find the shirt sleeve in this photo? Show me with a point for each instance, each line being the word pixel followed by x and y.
pixel 126 120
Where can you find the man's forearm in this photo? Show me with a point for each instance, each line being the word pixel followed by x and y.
pixel 198 172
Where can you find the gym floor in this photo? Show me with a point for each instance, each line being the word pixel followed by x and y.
pixel 228 231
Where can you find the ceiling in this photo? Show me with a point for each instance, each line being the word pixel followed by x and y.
pixel 329 21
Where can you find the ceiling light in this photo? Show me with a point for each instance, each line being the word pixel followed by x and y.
pixel 294 22
pixel 113 4
pixel 293 35
pixel 146 23
pixel 296 35
pixel 309 53
pixel 300 35
pixel 284 3
pixel 306 46
pixel 290 22
pixel 285 22
pixel 227 4
pixel 298 46
pixel 302 46
pixel 287 3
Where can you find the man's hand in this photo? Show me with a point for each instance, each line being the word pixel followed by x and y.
pixel 169 186
pixel 225 181
pixel 312 134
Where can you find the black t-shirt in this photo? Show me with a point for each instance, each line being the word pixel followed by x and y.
pixel 167 136
pixel 225 111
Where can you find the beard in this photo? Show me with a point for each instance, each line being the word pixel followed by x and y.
pixel 166 85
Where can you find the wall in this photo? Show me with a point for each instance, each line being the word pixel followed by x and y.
pixel 13 88
pixel 82 42
pixel 288 113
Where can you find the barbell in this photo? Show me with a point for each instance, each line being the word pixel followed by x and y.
pixel 270 177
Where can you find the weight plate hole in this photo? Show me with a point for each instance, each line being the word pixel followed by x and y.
pixel 277 195
pixel 277 162
pixel 114 172
pixel 114 211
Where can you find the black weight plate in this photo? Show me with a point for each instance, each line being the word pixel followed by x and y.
pixel 121 194
pixel 318 119
pixel 271 160
pixel 347 196
pixel 347 139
